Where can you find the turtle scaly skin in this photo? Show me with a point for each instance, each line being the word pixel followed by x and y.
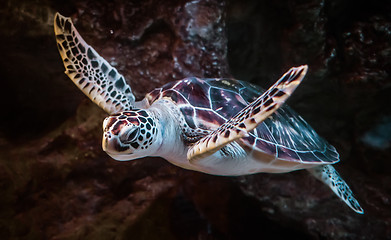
pixel 216 126
pixel 333 180
pixel 91 73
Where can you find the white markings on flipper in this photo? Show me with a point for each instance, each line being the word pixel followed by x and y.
pixel 250 116
pixel 90 72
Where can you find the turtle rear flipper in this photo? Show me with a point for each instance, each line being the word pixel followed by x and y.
pixel 328 175
pixel 249 117
pixel 90 72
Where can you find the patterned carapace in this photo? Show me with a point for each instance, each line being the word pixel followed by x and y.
pixel 220 99
pixel 216 126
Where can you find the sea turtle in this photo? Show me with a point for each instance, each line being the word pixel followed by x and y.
pixel 216 126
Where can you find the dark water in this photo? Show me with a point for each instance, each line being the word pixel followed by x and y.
pixel 56 183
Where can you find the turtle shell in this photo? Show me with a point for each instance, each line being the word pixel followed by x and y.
pixel 208 103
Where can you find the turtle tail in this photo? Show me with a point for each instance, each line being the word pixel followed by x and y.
pixel 328 175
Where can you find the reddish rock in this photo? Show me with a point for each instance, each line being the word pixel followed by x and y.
pixel 56 183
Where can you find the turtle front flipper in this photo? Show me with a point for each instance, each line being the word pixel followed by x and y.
pixel 90 72
pixel 249 117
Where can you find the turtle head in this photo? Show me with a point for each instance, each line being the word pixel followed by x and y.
pixel 130 135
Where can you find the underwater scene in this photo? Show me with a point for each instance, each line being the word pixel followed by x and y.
pixel 86 83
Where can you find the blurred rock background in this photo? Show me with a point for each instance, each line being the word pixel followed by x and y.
pixel 57 183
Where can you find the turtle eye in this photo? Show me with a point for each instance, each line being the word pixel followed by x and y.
pixel 130 135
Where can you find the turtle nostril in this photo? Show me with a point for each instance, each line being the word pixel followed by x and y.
pixel 107 135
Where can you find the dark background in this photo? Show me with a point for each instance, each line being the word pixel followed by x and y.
pixel 57 183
